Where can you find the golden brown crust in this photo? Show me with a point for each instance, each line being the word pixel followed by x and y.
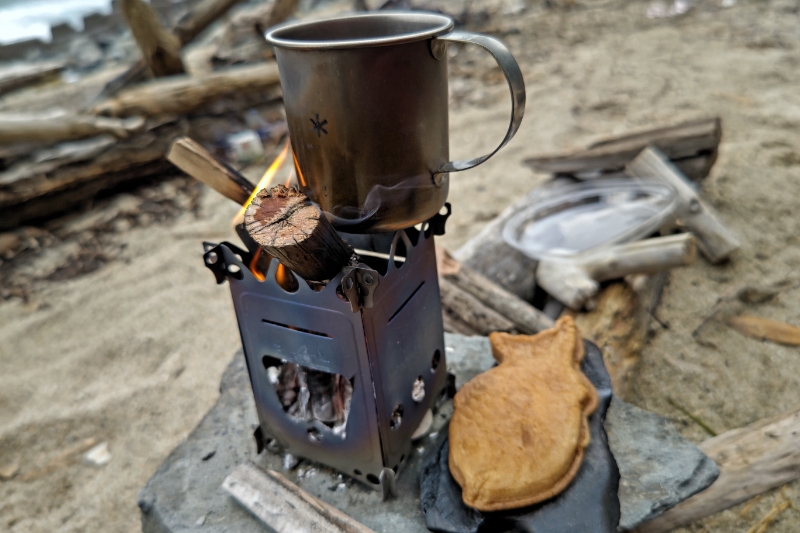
pixel 519 430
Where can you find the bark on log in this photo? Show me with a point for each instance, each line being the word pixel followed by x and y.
pixel 43 128
pixel 195 160
pixel 160 48
pixel 575 280
pixel 295 231
pixel 181 95
pixel 283 506
pixel 51 187
pixel 752 460
pixel 686 140
pixel 525 318
pixel 716 241
pixel 460 306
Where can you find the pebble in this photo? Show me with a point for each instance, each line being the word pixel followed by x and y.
pixel 99 455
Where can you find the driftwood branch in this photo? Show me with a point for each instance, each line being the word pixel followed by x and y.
pixel 460 307
pixel 180 95
pixel 525 318
pixel 682 142
pixel 17 76
pixel 243 39
pixel 283 506
pixel 620 325
pixel 201 17
pixel 161 50
pixel 752 460
pixel 575 280
pixel 195 160
pixel 295 231
pixel 190 26
pixel 43 128
pixel 716 241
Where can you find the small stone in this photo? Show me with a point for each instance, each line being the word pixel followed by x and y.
pixel 200 521
pixel 9 471
pixel 99 455
pixel 658 466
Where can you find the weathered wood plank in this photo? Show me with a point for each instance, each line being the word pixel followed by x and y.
pixel 752 460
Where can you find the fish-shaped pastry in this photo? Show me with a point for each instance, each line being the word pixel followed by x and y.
pixel 519 430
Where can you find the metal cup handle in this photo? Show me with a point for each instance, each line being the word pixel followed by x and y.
pixel 515 84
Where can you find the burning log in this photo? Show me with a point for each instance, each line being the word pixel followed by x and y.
pixel 574 281
pixel 292 229
pixel 284 506
pixel 525 318
pixel 716 241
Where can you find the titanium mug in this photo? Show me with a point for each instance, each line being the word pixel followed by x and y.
pixel 366 103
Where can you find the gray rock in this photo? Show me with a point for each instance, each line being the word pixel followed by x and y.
pixel 467 356
pixel 188 483
pixel 186 487
pixel 658 466
pixel 440 497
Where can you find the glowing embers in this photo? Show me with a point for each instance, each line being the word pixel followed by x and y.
pixel 312 396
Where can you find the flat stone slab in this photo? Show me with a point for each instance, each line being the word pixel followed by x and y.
pixel 185 494
pixel 658 467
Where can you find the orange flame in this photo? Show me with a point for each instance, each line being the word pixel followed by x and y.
pixel 254 265
pixel 285 278
pixel 266 179
pixel 297 170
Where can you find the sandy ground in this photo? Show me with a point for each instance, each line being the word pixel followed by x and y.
pixel 131 354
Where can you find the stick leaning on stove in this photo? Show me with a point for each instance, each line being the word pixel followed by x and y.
pixel 265 224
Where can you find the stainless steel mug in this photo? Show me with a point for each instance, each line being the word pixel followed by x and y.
pixel 366 102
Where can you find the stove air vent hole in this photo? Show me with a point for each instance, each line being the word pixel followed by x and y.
pixel 400 253
pixel 235 271
pixel 418 389
pixel 308 395
pixel 372 478
pixel 426 229
pixel 435 360
pixel 286 279
pixel 358 472
pixel 397 417
pixel 314 435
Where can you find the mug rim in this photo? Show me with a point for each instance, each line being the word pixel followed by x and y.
pixel 439 25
